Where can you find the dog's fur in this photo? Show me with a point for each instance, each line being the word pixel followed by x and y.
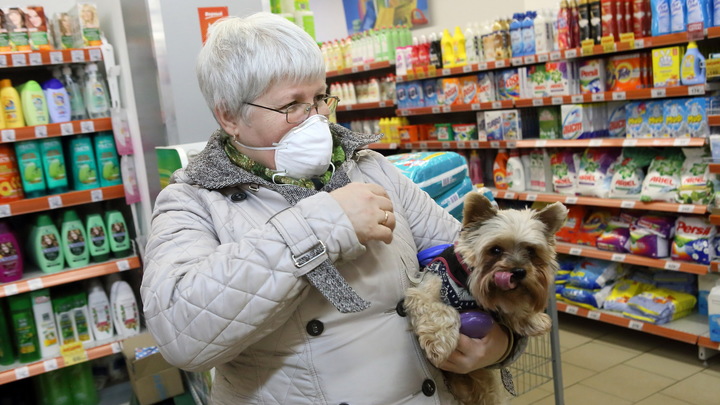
pixel 491 241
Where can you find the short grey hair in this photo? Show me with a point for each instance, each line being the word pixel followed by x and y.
pixel 244 57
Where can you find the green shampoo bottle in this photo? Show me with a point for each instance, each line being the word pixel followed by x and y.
pixel 45 249
pixel 24 328
pixel 29 160
pixel 119 236
pixel 54 165
pixel 107 160
pixel 82 159
pixel 73 240
pixel 97 237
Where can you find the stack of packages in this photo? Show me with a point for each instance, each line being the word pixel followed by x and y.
pixel 585 282
pixel 443 175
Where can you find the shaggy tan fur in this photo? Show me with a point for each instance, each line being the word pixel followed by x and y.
pixel 491 241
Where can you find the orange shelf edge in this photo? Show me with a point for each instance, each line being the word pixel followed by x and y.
pixel 55 130
pixel 50 57
pixel 613 203
pixel 365 106
pixel 714 168
pixel 68 199
pixel 555 143
pixel 715 219
pixel 705 341
pixel 368 67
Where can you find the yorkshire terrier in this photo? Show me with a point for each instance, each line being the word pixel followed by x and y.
pixel 504 263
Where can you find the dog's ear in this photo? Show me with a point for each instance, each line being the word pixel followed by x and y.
pixel 553 216
pixel 477 208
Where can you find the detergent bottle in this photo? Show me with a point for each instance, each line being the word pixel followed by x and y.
pixel 459 47
pixel 448 56
pixel 500 170
pixel 11 105
pixel 34 106
pixel 692 69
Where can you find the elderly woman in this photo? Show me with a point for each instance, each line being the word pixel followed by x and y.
pixel 281 254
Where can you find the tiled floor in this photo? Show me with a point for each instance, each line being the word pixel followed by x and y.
pixel 608 365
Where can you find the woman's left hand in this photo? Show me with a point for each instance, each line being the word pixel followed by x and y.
pixel 472 354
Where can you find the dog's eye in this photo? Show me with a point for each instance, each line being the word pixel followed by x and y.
pixel 531 251
pixel 495 251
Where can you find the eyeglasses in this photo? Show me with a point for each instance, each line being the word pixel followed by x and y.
pixel 295 114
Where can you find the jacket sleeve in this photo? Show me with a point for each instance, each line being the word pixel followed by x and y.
pixel 205 302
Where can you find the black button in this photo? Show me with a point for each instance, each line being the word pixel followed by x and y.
pixel 400 308
pixel 238 196
pixel 315 327
pixel 428 387
pixel 344 403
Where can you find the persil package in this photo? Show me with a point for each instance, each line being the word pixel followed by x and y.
pixel 434 172
pixel 693 240
pixel 453 200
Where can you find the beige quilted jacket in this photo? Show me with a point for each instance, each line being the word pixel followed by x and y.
pixel 220 290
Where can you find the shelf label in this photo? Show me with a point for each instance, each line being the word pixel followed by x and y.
pixel 89 126
pixel 541 143
pixel 588 47
pixel 577 98
pixel 3 60
pixel 529 59
pixel 557 100
pixel 19 59
pixel 354 69
pixel 639 43
pixel 96 195
pixel 619 95
pixel 461 144
pixel 393 146
pixel 423 145
pixel 628 204
pixel 366 67
pixel 56 57
pixel 495 144
pixel 500 63
pixel 672 266
pixel 511 144
pixel 555 55
pixel 595 315
pixel 467 68
pixel 347 108
pixel 435 110
pixel 572 309
pixel 382 104
pixel 95 55
pixel 475 106
pixel 538 102
pixel 509 195
pixel 55 202
pixel 123 265
pixel 571 53
pixel 445 145
pixel 5 211
pixel 598 97
pixel 41 131
pixel 446 72
pixel 50 365
pixel 77 56
pixel 446 108
pixel 474 145
pixel 115 347
pixel 73 353
pixel 655 93
pixel 35 59
pixel 8 135
pixel 629 142
pixel 571 200
pixel 695 31
pixel 482 66
pixel 404 112
pixel 686 208
pixel 618 257
pixel 595 142
pixel 575 251
pixel 35 283
pixel 11 289
pixel 681 142
pixel 637 325
pixel 408 145
pixel 516 61
pixel 496 104
pixel 696 90
pixel 66 128
pixel 629 38
pixel 543 57
pixel 531 197
pixel 22 372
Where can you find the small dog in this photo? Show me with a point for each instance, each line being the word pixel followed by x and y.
pixel 508 260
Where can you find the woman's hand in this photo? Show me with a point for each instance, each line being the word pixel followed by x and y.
pixel 370 210
pixel 472 354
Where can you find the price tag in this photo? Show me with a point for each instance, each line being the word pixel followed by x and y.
pixel 432 71
pixel 571 200
pixel 531 197
pixel 66 128
pixel 35 59
pixel 696 90
pixel 35 284
pixel 420 73
pixel 509 195
pixel 628 38
pixel 348 107
pixel 96 195
pixel 475 106
pixel 627 204
pixel 366 67
pixel 543 57
pixel 500 63
pixel 404 112
pixel 686 208
pixel 609 47
pixel 41 131
pixel 672 266
pixel 123 265
pixel 95 54
pixel 467 69
pixel 447 108
pixel 408 145
pixel 575 251
pixel 474 145
pixel 496 104
pixel 571 53
pixel 461 144
pixel 55 202
pixel 541 143
pixel 596 142
pixel 19 59
pixel 516 61
pixel 89 126
pixel 50 365
pixel 8 135
pixel 5 211
pixel 446 72
pixel 410 76
pixel 577 98
pixel 588 47
pixel 630 142
pixel 482 66
pixel 495 144
pixel 399 79
pixel 77 56
pixel 11 289
pixel 681 142
pixel 445 145
pixel 637 325
pixel 595 315
pixel 423 145
pixel 22 372
pixel 529 59
pixel 557 100
pixel 538 102
pixel 619 95
pixel 695 31
pixel 598 97
pixel 639 43
pixel 555 55
pixel 435 110
pixel 655 93
pixel 115 347
pixel 572 309
pixel 354 69
pixel 382 104
pixel 73 353
pixel 393 146
pixel 511 144
pixel 56 57
pixel 3 60
pixel 618 257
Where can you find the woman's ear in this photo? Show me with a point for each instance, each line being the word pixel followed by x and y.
pixel 227 121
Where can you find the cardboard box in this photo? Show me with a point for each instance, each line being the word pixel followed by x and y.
pixel 152 378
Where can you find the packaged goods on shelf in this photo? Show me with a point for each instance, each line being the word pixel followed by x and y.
pixel 693 240
pixel 595 171
pixel 593 225
pixel 629 173
pixel 594 274
pixel 659 305
pixel 540 173
pixel 621 292
pixel 583 121
pixel 696 186
pixel 666 66
pixel 591 76
pixel 586 298
pixel 714 313
pixel 663 177
pixel 650 235
pixel 453 199
pixel 434 172
pixel 564 165
pixel 500 179
pixel 705 283
pixel 616 236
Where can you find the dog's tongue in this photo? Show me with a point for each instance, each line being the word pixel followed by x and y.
pixel 503 279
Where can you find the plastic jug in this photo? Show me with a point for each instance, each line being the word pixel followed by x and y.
pixel 11 258
pixel 34 106
pixel 44 245
pixel 73 240
pixel 58 101
pixel 53 163
pixel 11 105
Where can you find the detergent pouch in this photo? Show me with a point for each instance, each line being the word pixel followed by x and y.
pixel 596 171
pixel 663 177
pixel 637 124
pixel 541 178
pixel 695 185
pixel 570 231
pixel 616 236
pixel 593 226
pixel 561 80
pixel 592 76
pixel 451 91
pixel 590 299
pixel 660 305
pixel 617 120
pixel 593 274
pixel 693 240
pixel 433 172
pixel 621 293
pixel 564 165
pixel 650 236
pixel 656 120
pixel 697 119
pixel 468 89
pixel 486 87
pixel 676 119
pixel 629 173
pixel 566 264
pixel 430 90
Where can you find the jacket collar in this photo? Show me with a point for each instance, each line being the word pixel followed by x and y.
pixel 212 169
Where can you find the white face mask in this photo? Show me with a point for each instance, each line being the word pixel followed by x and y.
pixel 305 151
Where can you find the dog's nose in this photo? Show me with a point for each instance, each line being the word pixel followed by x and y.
pixel 518 274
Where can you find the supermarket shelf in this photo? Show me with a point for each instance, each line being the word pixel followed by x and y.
pixel 714 120
pixel 492 105
pixel 503 194
pixel 365 106
pixel 613 203
pixel 705 341
pixel 383 146
pixel 357 69
pixel 587 251
pixel 689 329
pixel 557 143
pixel 52 130
pixel 714 168
pixel 37 279
pixel 71 198
pixel 715 219
pixel 18 371
pixel 50 57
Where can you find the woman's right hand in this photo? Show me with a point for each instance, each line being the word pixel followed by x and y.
pixel 366 205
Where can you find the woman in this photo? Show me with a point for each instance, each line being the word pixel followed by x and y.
pixel 281 253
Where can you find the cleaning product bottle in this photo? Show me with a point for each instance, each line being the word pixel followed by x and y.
pixel 471 45
pixel 53 163
pixel 54 388
pixel 34 106
pixel 515 172
pixel 98 241
pixel 516 39
pixel 500 170
pixel 62 307
pixel 77 105
pixel 475 168
pixel 100 316
pixel 126 316
pixel 692 69
pixel 7 355
pixel 84 391
pixel 24 328
pixel 448 57
pixel 81 317
pixel 573 24
pixel 129 176
pixel 82 158
pixel 45 323
pixel 11 259
pixel 73 237
pixel 528 33
pixel 119 236
pixel 107 158
pixel 58 101
pixel 595 20
pixel 584 20
pixel 30 165
pixel 2 119
pixel 542 37
pixel 11 105
pixel 44 245
pixel 96 97
pixel 10 182
pixel 563 27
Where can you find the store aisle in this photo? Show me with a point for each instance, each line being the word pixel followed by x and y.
pixel 605 364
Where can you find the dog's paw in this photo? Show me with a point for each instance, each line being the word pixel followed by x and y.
pixel 537 325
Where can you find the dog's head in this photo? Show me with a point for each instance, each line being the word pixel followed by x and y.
pixel 511 252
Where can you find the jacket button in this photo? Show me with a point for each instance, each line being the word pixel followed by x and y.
pixel 428 387
pixel 344 403
pixel 400 308
pixel 239 196
pixel 315 327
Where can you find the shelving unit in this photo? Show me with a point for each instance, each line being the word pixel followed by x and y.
pixel 51 57
pixel 556 143
pixel 69 199
pixel 365 106
pixel 54 130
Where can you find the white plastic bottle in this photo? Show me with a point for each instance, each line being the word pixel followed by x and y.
pixel 96 97
pixel 541 33
pixel 470 46
pixel 77 104
pixel 515 172
pixel 714 313
pixel 528 33
pixel 45 323
pixel 126 315
pixel 101 321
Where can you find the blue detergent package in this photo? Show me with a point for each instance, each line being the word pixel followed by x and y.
pixel 697 120
pixel 434 172
pixel 585 298
pixel 660 23
pixel 593 274
pixel 453 200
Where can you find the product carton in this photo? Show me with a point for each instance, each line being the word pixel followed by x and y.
pixel 666 66
pixel 88 22
pixel 152 378
pixel 37 27
pixel 14 23
pixel 592 76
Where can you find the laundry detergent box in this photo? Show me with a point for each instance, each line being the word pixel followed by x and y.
pixel 465 132
pixel 562 80
pixel 511 125
pixel 416 98
pixel 676 119
pixel 617 120
pixel 486 87
pixel 666 66
pixel 481 128
pixel 444 132
pixel 574 121
pixel 637 123
pixel 468 89
pixel 549 122
pixel 401 94
pixel 493 125
pixel 591 76
pixel 440 91
pixel 693 240
pixel 538 81
pixel 451 91
pixel 509 84
pixel 656 119
pixel 697 118
pixel 624 72
pixel 430 92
